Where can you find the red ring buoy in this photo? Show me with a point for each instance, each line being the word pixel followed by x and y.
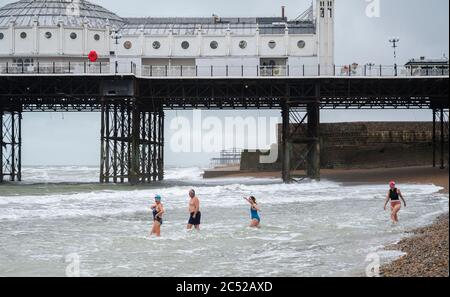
pixel 93 56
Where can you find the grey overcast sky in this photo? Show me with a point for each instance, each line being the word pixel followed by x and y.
pixel 422 25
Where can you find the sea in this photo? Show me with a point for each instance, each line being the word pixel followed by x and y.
pixel 60 221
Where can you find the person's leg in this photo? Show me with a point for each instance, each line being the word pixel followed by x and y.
pixel 396 210
pixel 153 229
pixel 392 214
pixel 158 229
pixel 197 227
pixel 189 227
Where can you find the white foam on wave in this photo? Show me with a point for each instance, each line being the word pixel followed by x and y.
pixel 109 202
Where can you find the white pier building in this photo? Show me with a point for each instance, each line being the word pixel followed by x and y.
pixel 56 36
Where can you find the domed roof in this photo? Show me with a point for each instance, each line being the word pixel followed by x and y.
pixel 72 13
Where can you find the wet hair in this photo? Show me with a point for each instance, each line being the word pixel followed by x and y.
pixel 253 199
pixel 192 191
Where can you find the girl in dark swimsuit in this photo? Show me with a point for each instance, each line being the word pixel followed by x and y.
pixel 394 195
pixel 158 211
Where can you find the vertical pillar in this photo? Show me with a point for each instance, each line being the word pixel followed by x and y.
pixel 313 158
pixel 102 143
pixel 1 144
pixel 135 145
pixel 10 145
pixel 286 155
pixel 19 160
pixel 123 161
pixel 434 138
pixel 13 144
pixel 115 132
pixel 155 145
pixel 161 146
pixel 107 144
pixel 442 139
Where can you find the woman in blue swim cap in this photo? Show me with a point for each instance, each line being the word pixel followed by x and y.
pixel 158 211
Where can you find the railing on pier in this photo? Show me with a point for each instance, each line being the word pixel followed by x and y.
pixel 107 68
pixel 231 157
pixel 104 68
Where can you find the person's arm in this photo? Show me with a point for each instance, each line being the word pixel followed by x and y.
pixel 401 196
pixel 255 206
pixel 161 211
pixel 386 201
pixel 153 206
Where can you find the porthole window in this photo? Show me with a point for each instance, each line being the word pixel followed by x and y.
pixel 2 36
pixel 73 35
pixel 96 37
pixel 48 35
pixel 272 44
pixel 243 44
pixel 127 45
pixel 214 44
pixel 23 35
pixel 156 45
pixel 185 45
pixel 301 44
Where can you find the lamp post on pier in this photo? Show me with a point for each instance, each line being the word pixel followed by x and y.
pixel 395 42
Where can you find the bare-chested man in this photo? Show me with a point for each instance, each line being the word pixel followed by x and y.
pixel 194 211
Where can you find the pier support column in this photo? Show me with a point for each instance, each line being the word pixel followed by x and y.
pixel 434 138
pixel 442 136
pixel 285 146
pixel 133 176
pixel 132 142
pixel 10 145
pixel 313 157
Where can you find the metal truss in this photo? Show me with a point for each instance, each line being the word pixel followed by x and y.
pixel 10 145
pixel 441 136
pixel 132 143
pixel 132 136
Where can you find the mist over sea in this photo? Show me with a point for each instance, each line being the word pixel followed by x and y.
pixel 308 229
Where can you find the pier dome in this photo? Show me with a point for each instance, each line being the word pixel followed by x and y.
pixel 73 13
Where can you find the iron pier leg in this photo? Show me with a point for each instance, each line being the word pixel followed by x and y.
pixel 102 144
pixel 434 138
pixel 161 146
pixel 134 172
pixel 1 144
pixel 10 144
pixel 313 158
pixel 442 139
pixel 19 153
pixel 286 155
pixel 132 142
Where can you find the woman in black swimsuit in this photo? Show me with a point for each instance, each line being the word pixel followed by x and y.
pixel 158 211
pixel 394 195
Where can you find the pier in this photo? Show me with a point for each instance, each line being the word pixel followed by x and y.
pixel 132 109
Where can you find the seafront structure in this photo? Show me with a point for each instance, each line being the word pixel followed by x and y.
pixel 77 56
pixel 41 32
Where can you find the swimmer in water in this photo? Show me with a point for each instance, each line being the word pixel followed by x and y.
pixel 394 195
pixel 158 211
pixel 194 211
pixel 254 209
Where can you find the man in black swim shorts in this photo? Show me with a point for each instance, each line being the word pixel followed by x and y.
pixel 194 211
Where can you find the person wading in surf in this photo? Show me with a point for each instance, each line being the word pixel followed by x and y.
pixel 394 195
pixel 194 211
pixel 254 209
pixel 158 211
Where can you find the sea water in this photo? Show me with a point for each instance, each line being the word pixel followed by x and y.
pixel 60 217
